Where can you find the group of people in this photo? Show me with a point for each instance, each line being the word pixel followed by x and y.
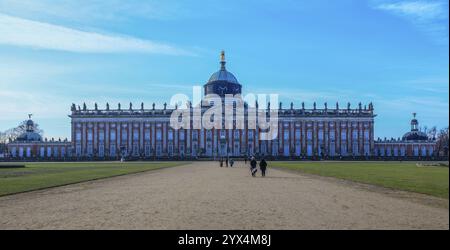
pixel 254 168
pixel 227 161
pixel 253 164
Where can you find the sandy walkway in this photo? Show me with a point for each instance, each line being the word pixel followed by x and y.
pixel 204 196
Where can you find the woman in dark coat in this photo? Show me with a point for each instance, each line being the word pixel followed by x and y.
pixel 263 167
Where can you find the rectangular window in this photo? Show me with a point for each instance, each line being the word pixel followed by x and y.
pixel 182 135
pixel 320 135
pixel 135 135
pixel 124 135
pixel 343 135
pixel 366 149
pixel 112 150
pixel 101 151
pixel 366 135
pixel 402 151
pixel 388 151
pixel 297 134
pixel 113 135
pixel 158 135
pixel 355 149
pixel 332 135
pixel 424 151
pixel 286 135
pixel 344 149
pixel 309 135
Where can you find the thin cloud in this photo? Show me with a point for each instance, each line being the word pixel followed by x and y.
pixel 429 16
pixel 27 33
pixel 422 10
pixel 96 10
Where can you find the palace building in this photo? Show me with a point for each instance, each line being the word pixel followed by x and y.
pixel 146 133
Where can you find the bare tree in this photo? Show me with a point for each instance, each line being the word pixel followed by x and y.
pixel 13 133
pixel 442 142
pixel 432 132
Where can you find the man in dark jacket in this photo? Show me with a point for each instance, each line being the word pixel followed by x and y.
pixel 263 167
pixel 253 168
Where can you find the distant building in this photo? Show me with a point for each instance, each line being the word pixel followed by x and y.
pixel 30 145
pixel 414 143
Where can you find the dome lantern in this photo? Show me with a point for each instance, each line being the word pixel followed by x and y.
pixel 414 123
pixel 222 60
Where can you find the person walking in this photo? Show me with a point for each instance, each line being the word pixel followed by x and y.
pixel 226 162
pixel 231 162
pixel 221 162
pixel 263 167
pixel 253 168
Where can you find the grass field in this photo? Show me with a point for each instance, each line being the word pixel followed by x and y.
pixel 397 175
pixel 43 175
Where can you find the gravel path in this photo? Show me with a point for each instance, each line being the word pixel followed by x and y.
pixel 204 196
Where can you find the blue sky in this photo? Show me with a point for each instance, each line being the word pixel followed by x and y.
pixel 393 53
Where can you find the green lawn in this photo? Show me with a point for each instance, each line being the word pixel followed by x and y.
pixel 398 175
pixel 43 175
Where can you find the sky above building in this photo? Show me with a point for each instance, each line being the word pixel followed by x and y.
pixel 392 53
